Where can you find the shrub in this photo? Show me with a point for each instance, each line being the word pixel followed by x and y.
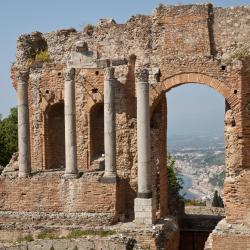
pixel 194 203
pixel 174 182
pixel 81 233
pixel 8 137
pixel 42 56
pixel 89 29
pixel 217 200
pixel 160 6
pixel 47 235
pixel 27 238
pixel 240 53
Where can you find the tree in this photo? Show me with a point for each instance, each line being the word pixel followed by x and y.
pixel 217 200
pixel 174 182
pixel 8 137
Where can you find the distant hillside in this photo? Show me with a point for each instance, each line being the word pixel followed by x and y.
pixel 200 163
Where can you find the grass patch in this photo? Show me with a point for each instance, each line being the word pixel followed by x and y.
pixel 195 203
pixel 80 233
pixel 47 235
pixel 27 238
pixel 240 53
pixel 161 6
pixel 42 56
pixel 89 29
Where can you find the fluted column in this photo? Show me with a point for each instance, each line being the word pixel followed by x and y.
pixel 109 126
pixel 23 124
pixel 70 124
pixel 144 203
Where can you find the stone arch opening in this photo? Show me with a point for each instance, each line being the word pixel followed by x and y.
pixel 158 126
pixel 55 136
pixel 168 83
pixel 159 119
pixel 96 132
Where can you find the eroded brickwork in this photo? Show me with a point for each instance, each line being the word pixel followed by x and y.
pixel 49 192
pixel 178 45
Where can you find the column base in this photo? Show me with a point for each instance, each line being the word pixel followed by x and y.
pixel 109 177
pixel 145 211
pixel 23 175
pixel 70 176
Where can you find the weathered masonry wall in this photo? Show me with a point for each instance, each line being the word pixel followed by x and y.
pixel 49 192
pixel 176 45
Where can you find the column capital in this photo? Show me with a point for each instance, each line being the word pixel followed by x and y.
pixel 69 74
pixel 141 75
pixel 22 75
pixel 109 73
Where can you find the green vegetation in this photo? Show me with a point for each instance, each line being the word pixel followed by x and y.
pixel 240 53
pixel 47 235
pixel 89 29
pixel 8 137
pixel 71 235
pixel 42 56
pixel 174 182
pixel 80 233
pixel 217 200
pixel 194 203
pixel 27 238
pixel 161 6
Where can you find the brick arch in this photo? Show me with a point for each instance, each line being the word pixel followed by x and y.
pixel 184 78
pixel 157 96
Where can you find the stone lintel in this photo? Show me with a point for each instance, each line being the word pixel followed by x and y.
pixel 119 61
pixel 103 63
pixel 90 60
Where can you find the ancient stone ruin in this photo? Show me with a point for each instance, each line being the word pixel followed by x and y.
pixel 92 118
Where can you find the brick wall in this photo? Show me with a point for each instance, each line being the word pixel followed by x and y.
pixel 191 43
pixel 49 192
pixel 231 242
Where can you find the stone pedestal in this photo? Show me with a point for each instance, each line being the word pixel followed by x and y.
pixel 109 127
pixel 70 124
pixel 145 210
pixel 23 124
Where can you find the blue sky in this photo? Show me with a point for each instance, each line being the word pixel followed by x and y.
pixel 24 16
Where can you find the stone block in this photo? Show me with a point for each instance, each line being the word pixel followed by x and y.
pixel 84 60
pixel 145 210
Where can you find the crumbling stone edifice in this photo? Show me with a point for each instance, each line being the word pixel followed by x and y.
pixel 101 94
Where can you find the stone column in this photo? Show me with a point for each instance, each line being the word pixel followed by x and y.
pixel 109 126
pixel 144 203
pixel 70 124
pixel 23 124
